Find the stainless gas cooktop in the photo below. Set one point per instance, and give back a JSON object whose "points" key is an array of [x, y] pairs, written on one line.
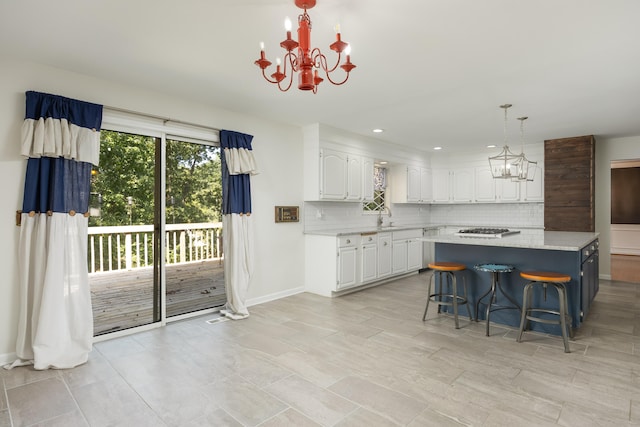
{"points": [[491, 233]]}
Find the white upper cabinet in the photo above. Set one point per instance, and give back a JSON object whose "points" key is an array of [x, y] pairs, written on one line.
{"points": [[485, 185], [441, 185], [507, 190], [341, 176], [333, 175], [411, 184], [367, 179], [354, 178], [463, 185], [426, 188]]}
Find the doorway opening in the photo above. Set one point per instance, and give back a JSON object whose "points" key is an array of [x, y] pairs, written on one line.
{"points": [[625, 220]]}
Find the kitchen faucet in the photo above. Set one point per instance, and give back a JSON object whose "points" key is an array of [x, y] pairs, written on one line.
{"points": [[384, 208]]}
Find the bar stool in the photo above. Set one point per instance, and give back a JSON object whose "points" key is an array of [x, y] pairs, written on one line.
{"points": [[495, 270], [544, 279], [446, 297]]}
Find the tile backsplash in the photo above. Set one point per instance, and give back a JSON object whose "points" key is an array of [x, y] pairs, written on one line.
{"points": [[490, 214], [338, 215]]}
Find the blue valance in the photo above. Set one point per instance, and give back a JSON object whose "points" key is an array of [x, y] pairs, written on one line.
{"points": [[55, 126], [80, 113], [231, 139]]}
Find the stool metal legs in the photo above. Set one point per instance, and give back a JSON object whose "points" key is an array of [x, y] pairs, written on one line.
{"points": [[562, 312], [439, 294], [491, 293]]}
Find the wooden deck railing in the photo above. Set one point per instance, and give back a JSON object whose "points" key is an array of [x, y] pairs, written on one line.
{"points": [[128, 247]]}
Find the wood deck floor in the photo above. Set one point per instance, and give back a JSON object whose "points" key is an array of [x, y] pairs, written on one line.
{"points": [[124, 299]]}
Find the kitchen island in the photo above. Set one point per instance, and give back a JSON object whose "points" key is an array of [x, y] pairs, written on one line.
{"points": [[572, 253]]}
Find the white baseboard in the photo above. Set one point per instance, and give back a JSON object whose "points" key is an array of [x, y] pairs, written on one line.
{"points": [[7, 358], [274, 296], [605, 276]]}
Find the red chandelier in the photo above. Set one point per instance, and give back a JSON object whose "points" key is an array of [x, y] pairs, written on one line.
{"points": [[301, 59]]}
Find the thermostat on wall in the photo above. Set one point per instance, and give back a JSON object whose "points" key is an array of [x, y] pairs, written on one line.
{"points": [[287, 213]]}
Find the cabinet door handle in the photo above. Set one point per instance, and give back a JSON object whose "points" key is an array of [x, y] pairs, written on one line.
{"points": [[348, 241], [385, 244]]}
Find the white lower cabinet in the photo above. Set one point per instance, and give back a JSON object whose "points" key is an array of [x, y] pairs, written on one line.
{"points": [[399, 256], [414, 255], [337, 264], [407, 251], [369, 254], [348, 261], [385, 255]]}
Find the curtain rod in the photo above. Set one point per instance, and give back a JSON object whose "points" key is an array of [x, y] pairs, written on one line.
{"points": [[152, 116]]}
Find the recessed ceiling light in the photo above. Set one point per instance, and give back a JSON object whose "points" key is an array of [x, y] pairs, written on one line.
{"points": [[378, 130], [492, 146], [437, 148], [383, 163]]}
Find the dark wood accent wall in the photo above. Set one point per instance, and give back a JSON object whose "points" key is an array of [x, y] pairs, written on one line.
{"points": [[569, 184]]}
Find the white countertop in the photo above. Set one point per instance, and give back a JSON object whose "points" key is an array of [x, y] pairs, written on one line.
{"points": [[374, 229], [531, 239]]}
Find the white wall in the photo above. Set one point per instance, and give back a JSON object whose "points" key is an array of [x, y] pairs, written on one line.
{"points": [[279, 268], [606, 151]]}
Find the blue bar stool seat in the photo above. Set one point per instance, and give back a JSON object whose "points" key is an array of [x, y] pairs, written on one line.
{"points": [[495, 270], [448, 296]]}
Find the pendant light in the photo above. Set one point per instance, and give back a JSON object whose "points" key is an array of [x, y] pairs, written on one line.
{"points": [[525, 169], [504, 165]]}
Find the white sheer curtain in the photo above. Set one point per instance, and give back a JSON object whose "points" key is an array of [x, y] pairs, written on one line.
{"points": [[61, 136], [238, 164]]}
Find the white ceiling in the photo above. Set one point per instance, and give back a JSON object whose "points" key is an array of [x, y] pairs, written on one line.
{"points": [[429, 72]]}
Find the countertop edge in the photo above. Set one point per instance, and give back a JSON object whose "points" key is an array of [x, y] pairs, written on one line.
{"points": [[568, 240]]}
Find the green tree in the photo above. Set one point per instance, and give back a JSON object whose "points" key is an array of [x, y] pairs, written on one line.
{"points": [[194, 190], [123, 184]]}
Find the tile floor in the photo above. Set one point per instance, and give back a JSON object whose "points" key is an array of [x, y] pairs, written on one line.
{"points": [[364, 359]]}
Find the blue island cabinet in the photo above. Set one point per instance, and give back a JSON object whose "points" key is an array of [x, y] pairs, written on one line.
{"points": [[581, 265]]}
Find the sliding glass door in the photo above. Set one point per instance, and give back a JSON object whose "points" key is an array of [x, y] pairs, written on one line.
{"points": [[193, 203], [148, 234], [124, 281]]}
